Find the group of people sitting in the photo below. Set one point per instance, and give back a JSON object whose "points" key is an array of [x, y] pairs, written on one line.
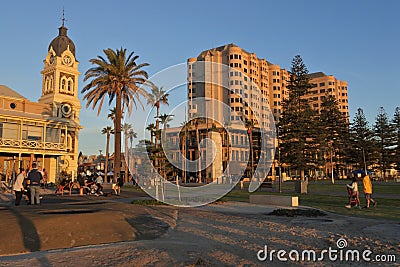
{"points": [[354, 198], [92, 184]]}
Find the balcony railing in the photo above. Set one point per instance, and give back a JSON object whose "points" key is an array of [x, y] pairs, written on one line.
{"points": [[31, 144]]}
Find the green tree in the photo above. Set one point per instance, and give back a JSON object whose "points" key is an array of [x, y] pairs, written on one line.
{"points": [[107, 131], [249, 124], [297, 132], [126, 127], [196, 127], [396, 128], [333, 131], [116, 76], [164, 119], [131, 135], [158, 97], [361, 138], [183, 139], [151, 128], [385, 139]]}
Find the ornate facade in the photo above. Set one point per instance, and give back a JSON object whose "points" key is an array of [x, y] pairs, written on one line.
{"points": [[45, 131]]}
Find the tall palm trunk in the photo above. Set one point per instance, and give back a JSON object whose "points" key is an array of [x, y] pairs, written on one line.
{"points": [[107, 156], [126, 156], [251, 154], [183, 146], [130, 162], [198, 152], [117, 141], [157, 124], [156, 161]]}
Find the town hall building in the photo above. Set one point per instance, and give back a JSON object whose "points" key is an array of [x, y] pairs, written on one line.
{"points": [[46, 131]]}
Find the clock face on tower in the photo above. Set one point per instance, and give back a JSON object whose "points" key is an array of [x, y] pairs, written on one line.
{"points": [[67, 60]]}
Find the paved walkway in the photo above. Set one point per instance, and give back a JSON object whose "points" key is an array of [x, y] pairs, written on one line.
{"points": [[107, 231]]}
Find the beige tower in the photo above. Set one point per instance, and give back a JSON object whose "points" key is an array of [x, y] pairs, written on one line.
{"points": [[60, 90]]}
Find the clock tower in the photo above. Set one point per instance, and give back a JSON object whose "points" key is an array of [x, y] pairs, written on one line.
{"points": [[60, 96], [60, 78]]}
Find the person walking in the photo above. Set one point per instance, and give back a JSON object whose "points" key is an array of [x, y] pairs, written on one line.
{"points": [[18, 186], [35, 176], [117, 186], [368, 191]]}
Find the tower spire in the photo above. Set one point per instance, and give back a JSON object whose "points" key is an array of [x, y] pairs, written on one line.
{"points": [[63, 18]]}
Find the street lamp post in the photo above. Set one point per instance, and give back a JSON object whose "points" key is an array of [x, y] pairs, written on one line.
{"points": [[333, 180], [279, 162], [365, 163]]}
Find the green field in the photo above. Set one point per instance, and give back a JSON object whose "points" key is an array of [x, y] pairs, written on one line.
{"points": [[325, 196], [333, 198]]}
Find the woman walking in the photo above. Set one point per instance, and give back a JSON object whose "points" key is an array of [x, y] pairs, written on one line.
{"points": [[18, 186]]}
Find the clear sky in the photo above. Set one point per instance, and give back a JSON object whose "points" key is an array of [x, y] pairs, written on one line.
{"points": [[356, 41]]}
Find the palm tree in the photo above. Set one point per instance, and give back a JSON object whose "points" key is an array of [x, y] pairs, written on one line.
{"points": [[183, 141], [116, 76], [196, 125], [151, 128], [126, 127], [158, 97], [131, 134], [107, 130], [164, 119], [249, 124], [228, 124], [112, 113]]}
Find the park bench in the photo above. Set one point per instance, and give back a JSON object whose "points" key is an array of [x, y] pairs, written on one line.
{"points": [[274, 200], [265, 185]]}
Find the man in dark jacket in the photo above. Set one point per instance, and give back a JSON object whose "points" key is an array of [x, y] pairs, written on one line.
{"points": [[35, 176]]}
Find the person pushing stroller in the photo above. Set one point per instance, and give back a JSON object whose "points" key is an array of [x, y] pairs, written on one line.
{"points": [[354, 197]]}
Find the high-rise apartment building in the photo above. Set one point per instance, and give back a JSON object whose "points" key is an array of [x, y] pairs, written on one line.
{"points": [[252, 85], [237, 88], [252, 89], [328, 85], [226, 87]]}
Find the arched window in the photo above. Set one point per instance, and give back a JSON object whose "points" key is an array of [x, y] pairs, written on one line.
{"points": [[51, 84], [63, 83], [69, 86], [47, 85]]}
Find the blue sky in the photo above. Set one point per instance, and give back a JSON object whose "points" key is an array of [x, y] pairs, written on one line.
{"points": [[356, 41]]}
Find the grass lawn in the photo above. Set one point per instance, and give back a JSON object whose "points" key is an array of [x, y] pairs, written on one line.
{"points": [[325, 196], [386, 208], [333, 198]]}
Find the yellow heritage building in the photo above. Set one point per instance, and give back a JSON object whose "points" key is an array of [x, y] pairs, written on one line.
{"points": [[45, 131]]}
